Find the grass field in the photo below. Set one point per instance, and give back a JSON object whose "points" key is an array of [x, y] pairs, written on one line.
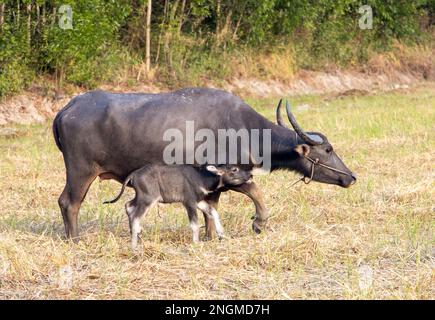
{"points": [[374, 240]]}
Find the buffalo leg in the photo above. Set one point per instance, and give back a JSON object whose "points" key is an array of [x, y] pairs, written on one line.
{"points": [[70, 200], [213, 200], [261, 212], [63, 204]]}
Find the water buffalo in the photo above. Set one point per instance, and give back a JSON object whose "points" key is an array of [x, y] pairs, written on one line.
{"points": [[109, 135]]}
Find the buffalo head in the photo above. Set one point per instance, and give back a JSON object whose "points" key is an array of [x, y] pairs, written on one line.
{"points": [[316, 158]]}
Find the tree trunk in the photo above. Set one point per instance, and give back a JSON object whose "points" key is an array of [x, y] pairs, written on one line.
{"points": [[38, 16], [43, 16], [2, 13], [162, 28], [53, 20], [242, 12], [29, 25], [148, 38], [169, 33], [218, 17], [18, 13], [180, 23], [227, 25]]}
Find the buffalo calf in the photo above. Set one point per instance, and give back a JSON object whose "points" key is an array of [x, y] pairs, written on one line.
{"points": [[185, 184]]}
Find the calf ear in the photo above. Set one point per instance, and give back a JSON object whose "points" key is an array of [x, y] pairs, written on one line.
{"points": [[302, 149], [214, 170]]}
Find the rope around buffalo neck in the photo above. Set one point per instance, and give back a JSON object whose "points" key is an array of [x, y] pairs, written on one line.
{"points": [[318, 163]]}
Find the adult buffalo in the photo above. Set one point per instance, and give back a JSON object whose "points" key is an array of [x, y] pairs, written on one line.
{"points": [[109, 135]]}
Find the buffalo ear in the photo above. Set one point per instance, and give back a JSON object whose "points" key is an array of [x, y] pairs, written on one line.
{"points": [[302, 149], [214, 170]]}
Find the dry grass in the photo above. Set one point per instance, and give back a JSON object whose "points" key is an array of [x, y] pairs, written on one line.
{"points": [[374, 240], [277, 65], [416, 60]]}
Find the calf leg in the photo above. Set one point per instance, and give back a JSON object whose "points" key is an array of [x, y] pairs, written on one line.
{"points": [[213, 200], [130, 210], [261, 212], [135, 210], [211, 212], [193, 220]]}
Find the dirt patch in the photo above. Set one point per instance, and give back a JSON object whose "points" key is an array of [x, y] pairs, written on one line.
{"points": [[36, 106], [309, 82], [29, 108]]}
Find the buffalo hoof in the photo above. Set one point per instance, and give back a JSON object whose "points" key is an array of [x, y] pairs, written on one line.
{"points": [[222, 237], [257, 227], [207, 238], [74, 240]]}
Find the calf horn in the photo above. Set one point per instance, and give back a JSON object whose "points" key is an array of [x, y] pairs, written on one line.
{"points": [[297, 128]]}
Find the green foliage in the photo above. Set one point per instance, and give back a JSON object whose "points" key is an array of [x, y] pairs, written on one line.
{"points": [[14, 76], [82, 55], [191, 40], [14, 72], [88, 53]]}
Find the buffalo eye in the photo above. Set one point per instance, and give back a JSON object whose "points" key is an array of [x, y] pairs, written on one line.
{"points": [[235, 169], [329, 150]]}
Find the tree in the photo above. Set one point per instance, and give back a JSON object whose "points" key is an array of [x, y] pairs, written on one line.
{"points": [[148, 38]]}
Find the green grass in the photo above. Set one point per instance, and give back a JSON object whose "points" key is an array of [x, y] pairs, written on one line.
{"points": [[323, 238]]}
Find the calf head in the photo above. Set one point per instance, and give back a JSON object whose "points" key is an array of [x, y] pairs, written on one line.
{"points": [[231, 175]]}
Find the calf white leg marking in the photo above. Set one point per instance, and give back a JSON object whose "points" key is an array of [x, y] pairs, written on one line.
{"points": [[212, 213], [135, 230], [129, 208], [217, 223], [134, 216], [195, 231]]}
